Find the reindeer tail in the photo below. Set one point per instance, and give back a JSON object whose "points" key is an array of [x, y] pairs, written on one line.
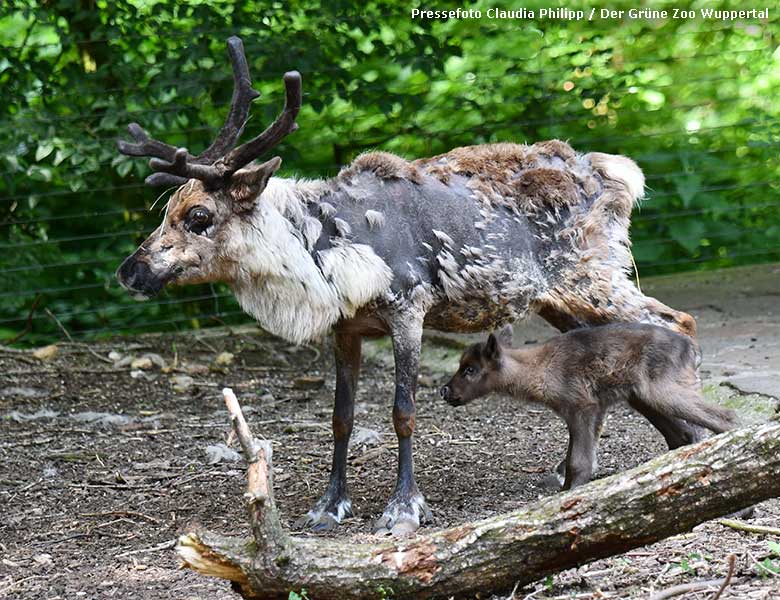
{"points": [[622, 178]]}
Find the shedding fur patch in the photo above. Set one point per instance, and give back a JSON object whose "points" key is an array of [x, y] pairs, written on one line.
{"points": [[555, 149], [382, 164], [486, 161], [356, 273], [343, 228], [278, 282], [539, 189], [375, 219], [443, 238], [531, 180], [311, 230], [283, 195], [327, 210], [620, 170], [594, 286]]}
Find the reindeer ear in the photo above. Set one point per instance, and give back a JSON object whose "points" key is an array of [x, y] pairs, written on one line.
{"points": [[506, 336], [492, 348], [248, 183]]}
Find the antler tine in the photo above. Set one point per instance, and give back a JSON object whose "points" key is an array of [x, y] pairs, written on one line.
{"points": [[164, 180], [145, 145], [164, 154], [243, 94], [283, 125], [181, 166]]}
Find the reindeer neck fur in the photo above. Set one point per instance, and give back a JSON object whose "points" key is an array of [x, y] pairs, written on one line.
{"points": [[292, 290], [522, 373]]}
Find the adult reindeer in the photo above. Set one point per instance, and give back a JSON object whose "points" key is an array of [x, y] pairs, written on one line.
{"points": [[466, 241]]}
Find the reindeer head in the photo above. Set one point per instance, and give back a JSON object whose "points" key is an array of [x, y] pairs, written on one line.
{"points": [[214, 187], [477, 373]]}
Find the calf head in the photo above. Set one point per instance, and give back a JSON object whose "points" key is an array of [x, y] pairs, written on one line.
{"points": [[214, 189], [477, 375]]}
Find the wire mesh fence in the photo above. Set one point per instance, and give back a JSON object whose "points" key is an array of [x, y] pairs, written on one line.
{"points": [[712, 171]]}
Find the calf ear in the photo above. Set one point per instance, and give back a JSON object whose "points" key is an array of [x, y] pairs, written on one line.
{"points": [[506, 336], [248, 183], [492, 348]]}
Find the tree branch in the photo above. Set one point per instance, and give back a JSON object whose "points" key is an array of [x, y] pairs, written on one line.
{"points": [[663, 497]]}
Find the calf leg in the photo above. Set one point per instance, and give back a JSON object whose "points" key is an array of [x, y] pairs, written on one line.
{"points": [[335, 504], [407, 507], [676, 432], [581, 459]]}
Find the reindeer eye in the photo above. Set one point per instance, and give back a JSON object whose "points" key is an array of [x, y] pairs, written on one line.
{"points": [[469, 371], [198, 220]]}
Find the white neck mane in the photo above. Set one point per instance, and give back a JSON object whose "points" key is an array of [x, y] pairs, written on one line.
{"points": [[276, 278]]}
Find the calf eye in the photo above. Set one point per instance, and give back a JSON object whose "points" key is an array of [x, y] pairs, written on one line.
{"points": [[198, 220], [469, 371]]}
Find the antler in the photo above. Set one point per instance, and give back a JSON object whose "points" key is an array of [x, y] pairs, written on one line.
{"points": [[243, 94], [283, 126], [215, 165]]}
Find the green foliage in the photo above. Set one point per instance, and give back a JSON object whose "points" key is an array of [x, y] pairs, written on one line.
{"points": [[691, 563], [770, 566], [696, 103], [298, 596], [385, 593]]}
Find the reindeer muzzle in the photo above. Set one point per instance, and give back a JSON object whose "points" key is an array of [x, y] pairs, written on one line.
{"points": [[446, 394], [138, 278]]}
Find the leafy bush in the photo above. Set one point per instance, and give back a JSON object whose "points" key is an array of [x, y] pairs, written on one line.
{"points": [[696, 103]]}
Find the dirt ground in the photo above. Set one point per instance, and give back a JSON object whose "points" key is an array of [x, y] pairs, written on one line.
{"points": [[109, 451]]}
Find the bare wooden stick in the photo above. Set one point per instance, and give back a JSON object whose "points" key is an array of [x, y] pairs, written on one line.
{"points": [[267, 529], [699, 586], [666, 496], [740, 526], [727, 580], [684, 588]]}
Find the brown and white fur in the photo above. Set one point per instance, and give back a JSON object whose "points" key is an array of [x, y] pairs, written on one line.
{"points": [[581, 373]]}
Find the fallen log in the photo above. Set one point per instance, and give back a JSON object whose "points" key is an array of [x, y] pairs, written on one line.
{"points": [[665, 496]]}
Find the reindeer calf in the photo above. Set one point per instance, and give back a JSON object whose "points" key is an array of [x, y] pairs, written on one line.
{"points": [[581, 373]]}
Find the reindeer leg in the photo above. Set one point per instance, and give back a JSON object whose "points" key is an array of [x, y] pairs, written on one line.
{"points": [[335, 504], [407, 507], [676, 432], [582, 458], [593, 423]]}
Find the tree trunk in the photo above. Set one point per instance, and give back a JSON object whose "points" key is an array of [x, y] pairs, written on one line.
{"points": [[665, 496]]}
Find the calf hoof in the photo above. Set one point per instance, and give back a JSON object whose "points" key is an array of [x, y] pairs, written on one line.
{"points": [[403, 516], [326, 515], [551, 482]]}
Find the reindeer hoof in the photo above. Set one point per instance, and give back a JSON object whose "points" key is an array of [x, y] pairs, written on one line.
{"points": [[403, 517], [325, 516], [551, 482]]}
